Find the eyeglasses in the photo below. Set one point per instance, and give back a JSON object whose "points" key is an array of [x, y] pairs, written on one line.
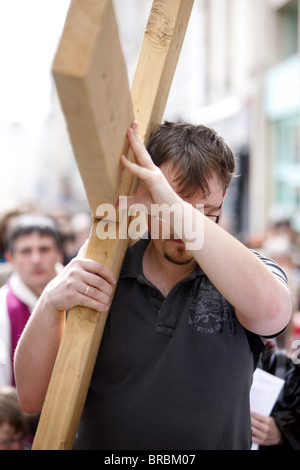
{"points": [[213, 217]]}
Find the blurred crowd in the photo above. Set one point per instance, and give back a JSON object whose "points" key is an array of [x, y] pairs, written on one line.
{"points": [[33, 248], [281, 243]]}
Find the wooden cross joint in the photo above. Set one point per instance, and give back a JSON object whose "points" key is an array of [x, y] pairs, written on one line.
{"points": [[91, 79]]}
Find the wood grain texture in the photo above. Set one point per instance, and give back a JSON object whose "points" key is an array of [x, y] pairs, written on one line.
{"points": [[158, 59], [77, 354], [90, 76], [92, 84]]}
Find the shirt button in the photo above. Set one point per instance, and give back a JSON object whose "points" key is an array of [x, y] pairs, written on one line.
{"points": [[154, 293]]}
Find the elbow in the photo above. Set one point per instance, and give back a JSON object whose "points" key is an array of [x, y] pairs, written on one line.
{"points": [[27, 403], [28, 389], [29, 400], [280, 307], [270, 315]]}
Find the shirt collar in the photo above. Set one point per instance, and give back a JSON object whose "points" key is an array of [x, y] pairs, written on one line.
{"points": [[132, 265], [22, 291]]}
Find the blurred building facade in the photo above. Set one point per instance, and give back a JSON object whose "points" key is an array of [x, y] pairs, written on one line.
{"points": [[252, 85], [239, 72]]}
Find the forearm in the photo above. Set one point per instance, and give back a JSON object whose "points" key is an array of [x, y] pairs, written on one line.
{"points": [[37, 349], [36, 353], [262, 302]]}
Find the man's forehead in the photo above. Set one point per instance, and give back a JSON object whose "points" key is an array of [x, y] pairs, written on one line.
{"points": [[213, 202], [216, 189], [34, 238], [7, 430]]}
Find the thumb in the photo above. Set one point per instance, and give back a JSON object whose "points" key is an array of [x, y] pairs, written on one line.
{"points": [[82, 251]]}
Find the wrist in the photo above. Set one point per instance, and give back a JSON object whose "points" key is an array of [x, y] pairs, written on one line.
{"points": [[47, 301], [193, 227]]}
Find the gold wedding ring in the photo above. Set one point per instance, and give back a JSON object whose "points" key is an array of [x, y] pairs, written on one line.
{"points": [[87, 290]]}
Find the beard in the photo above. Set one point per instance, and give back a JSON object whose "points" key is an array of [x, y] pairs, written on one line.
{"points": [[176, 253]]}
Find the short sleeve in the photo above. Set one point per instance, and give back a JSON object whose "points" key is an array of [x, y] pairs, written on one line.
{"points": [[274, 267], [257, 343]]}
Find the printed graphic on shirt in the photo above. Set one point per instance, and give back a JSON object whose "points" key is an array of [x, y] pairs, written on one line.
{"points": [[209, 312]]}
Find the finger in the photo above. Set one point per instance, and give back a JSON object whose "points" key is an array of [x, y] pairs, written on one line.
{"points": [[139, 171], [139, 140], [137, 145], [135, 126], [82, 250], [258, 417], [255, 429], [96, 294], [91, 303], [259, 431], [258, 437], [93, 267], [98, 283], [259, 423]]}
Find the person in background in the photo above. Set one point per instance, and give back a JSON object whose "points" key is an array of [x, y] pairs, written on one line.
{"points": [[280, 242], [15, 425], [281, 430], [7, 217], [35, 256]]}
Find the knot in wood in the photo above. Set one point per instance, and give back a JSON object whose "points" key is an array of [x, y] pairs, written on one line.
{"points": [[159, 29]]}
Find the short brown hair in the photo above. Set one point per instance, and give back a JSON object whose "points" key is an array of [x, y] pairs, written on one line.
{"points": [[29, 223], [196, 152], [10, 410]]}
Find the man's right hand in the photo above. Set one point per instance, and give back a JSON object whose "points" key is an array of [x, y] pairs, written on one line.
{"points": [[83, 282]]}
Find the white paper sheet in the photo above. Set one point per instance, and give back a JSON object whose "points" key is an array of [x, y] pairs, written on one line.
{"points": [[264, 393]]}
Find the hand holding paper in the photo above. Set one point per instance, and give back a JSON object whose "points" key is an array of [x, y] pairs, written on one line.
{"points": [[263, 396], [264, 430]]}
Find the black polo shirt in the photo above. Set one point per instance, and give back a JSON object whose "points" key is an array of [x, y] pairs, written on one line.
{"points": [[172, 373]]}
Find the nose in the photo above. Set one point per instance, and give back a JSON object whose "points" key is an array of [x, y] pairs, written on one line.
{"points": [[35, 256]]}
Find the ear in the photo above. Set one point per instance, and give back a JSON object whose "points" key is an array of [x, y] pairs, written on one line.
{"points": [[221, 213], [9, 257]]}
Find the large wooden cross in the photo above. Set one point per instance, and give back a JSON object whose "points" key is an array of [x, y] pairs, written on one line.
{"points": [[91, 79]]}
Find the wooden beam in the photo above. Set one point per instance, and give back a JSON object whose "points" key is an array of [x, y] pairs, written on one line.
{"points": [[158, 59], [76, 358], [91, 79], [79, 348]]}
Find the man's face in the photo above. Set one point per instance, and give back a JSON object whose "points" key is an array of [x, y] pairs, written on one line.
{"points": [[10, 439], [174, 249], [34, 259]]}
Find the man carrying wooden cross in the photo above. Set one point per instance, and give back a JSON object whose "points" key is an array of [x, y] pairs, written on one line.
{"points": [[191, 304], [175, 364]]}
